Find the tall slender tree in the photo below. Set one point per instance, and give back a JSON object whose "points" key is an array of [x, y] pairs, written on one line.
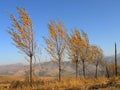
{"points": [[56, 42], [97, 56], [79, 49], [85, 52], [74, 47], [22, 33]]}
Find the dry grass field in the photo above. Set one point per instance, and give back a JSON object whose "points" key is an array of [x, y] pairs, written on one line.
{"points": [[67, 83]]}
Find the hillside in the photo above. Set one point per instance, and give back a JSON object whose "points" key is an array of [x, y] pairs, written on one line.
{"points": [[49, 68], [10, 69]]}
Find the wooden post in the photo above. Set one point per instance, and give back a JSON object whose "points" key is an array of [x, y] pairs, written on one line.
{"points": [[115, 59]]}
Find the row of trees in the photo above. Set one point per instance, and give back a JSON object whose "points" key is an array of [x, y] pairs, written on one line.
{"points": [[58, 42], [77, 46]]}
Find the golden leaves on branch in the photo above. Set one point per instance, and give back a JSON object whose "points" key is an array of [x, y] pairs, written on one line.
{"points": [[97, 54], [25, 17], [76, 45], [52, 31], [22, 32], [56, 42], [79, 46]]}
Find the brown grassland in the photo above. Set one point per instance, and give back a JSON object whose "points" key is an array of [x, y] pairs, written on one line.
{"points": [[67, 83]]}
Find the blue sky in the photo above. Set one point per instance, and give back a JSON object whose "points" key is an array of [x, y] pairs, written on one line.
{"points": [[100, 19]]}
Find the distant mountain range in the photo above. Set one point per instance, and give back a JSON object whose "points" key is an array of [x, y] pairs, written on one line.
{"points": [[10, 69], [49, 68], [111, 58], [43, 69]]}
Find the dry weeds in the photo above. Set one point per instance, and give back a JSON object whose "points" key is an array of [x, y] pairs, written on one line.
{"points": [[67, 83]]}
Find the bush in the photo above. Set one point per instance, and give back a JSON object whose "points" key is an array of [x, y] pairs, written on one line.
{"points": [[16, 84]]}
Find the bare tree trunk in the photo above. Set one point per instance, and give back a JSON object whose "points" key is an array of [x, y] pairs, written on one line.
{"points": [[115, 60], [59, 70], [31, 70], [76, 68], [83, 68], [107, 72], [96, 71]]}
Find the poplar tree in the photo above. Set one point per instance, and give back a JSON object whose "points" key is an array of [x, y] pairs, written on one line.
{"points": [[97, 56], [74, 46], [56, 42], [79, 49], [22, 34]]}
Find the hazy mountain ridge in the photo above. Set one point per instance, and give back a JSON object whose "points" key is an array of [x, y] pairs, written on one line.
{"points": [[43, 69], [48, 68], [10, 69], [111, 58]]}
